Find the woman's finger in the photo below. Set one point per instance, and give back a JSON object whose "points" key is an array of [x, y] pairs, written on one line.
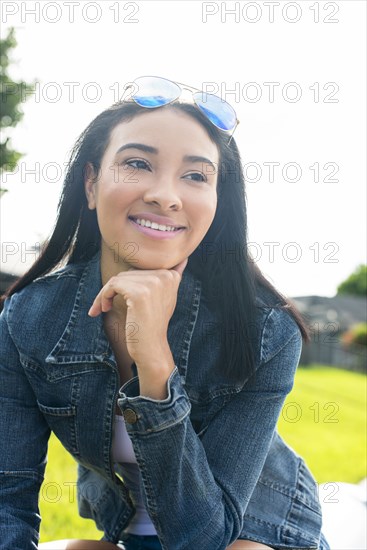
{"points": [[181, 266], [103, 301]]}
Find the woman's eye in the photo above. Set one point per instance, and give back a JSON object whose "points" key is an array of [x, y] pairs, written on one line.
{"points": [[196, 176], [138, 164]]}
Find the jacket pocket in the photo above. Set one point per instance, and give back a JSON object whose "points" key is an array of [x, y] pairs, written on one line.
{"points": [[62, 421]]}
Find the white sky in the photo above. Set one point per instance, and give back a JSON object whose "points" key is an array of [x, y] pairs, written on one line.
{"points": [[326, 219]]}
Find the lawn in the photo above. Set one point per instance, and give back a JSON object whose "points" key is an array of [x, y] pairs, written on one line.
{"points": [[323, 419]]}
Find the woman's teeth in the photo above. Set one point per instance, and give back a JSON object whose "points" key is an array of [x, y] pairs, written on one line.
{"points": [[153, 225]]}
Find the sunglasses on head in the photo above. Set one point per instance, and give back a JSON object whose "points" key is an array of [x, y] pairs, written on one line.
{"points": [[154, 91]]}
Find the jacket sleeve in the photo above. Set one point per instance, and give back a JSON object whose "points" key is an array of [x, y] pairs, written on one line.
{"points": [[197, 487], [23, 436]]}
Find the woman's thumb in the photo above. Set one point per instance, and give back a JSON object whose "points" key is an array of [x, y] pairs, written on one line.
{"points": [[181, 266]]}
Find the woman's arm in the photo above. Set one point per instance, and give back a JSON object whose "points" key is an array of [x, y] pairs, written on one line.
{"points": [[23, 436], [197, 488]]}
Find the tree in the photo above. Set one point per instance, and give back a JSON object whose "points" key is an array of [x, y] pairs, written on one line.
{"points": [[356, 283], [12, 94], [357, 334]]}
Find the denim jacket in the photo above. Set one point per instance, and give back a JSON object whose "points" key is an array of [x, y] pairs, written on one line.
{"points": [[212, 464]]}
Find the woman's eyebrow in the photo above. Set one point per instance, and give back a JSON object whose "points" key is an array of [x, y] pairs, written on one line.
{"points": [[154, 150], [194, 158], [141, 146]]}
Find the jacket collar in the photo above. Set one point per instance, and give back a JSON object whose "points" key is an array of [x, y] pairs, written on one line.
{"points": [[84, 340]]}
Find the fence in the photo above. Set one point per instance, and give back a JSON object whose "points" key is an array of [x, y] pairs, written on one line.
{"points": [[352, 357]]}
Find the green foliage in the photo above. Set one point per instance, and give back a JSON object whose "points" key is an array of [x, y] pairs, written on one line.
{"points": [[356, 284], [357, 334], [12, 95], [324, 414]]}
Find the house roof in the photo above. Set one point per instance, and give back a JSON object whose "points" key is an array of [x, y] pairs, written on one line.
{"points": [[342, 310]]}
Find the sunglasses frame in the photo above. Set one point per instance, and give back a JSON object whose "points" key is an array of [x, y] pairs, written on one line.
{"points": [[182, 88]]}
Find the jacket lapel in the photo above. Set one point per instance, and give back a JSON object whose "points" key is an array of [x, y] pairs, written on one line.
{"points": [[84, 340]]}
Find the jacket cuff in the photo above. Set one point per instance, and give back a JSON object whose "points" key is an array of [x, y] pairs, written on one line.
{"points": [[145, 415]]}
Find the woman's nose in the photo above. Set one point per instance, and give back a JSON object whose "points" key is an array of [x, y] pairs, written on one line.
{"points": [[164, 194]]}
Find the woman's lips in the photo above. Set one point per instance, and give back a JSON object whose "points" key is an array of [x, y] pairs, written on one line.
{"points": [[156, 233]]}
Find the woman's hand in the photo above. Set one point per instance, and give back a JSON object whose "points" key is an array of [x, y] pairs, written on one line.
{"points": [[145, 300]]}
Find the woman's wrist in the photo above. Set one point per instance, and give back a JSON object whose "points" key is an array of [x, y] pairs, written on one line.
{"points": [[154, 373]]}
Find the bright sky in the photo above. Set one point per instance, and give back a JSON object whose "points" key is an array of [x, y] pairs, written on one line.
{"points": [[294, 71]]}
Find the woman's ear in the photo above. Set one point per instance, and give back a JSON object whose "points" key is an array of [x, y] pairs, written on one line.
{"points": [[90, 185]]}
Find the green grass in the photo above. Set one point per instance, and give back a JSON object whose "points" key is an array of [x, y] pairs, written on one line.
{"points": [[329, 409], [58, 502], [323, 420]]}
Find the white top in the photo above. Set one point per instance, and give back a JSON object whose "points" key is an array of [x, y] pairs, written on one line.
{"points": [[123, 454]]}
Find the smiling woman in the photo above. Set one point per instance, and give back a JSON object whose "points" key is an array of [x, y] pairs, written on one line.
{"points": [[164, 177], [159, 358]]}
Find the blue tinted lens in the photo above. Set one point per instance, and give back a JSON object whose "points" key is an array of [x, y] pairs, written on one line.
{"points": [[155, 92], [219, 112]]}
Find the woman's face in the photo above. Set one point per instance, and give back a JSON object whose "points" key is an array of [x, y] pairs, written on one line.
{"points": [[160, 163]]}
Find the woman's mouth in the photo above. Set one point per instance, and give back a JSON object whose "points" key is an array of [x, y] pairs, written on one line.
{"points": [[152, 229]]}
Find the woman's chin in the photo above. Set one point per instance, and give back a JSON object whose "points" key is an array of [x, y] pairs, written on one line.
{"points": [[152, 265]]}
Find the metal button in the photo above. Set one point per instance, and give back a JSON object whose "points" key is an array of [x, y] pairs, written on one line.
{"points": [[130, 416]]}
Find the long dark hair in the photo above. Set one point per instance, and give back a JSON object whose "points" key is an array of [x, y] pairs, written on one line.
{"points": [[230, 278]]}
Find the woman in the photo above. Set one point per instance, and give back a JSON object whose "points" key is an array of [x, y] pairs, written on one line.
{"points": [[159, 355]]}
